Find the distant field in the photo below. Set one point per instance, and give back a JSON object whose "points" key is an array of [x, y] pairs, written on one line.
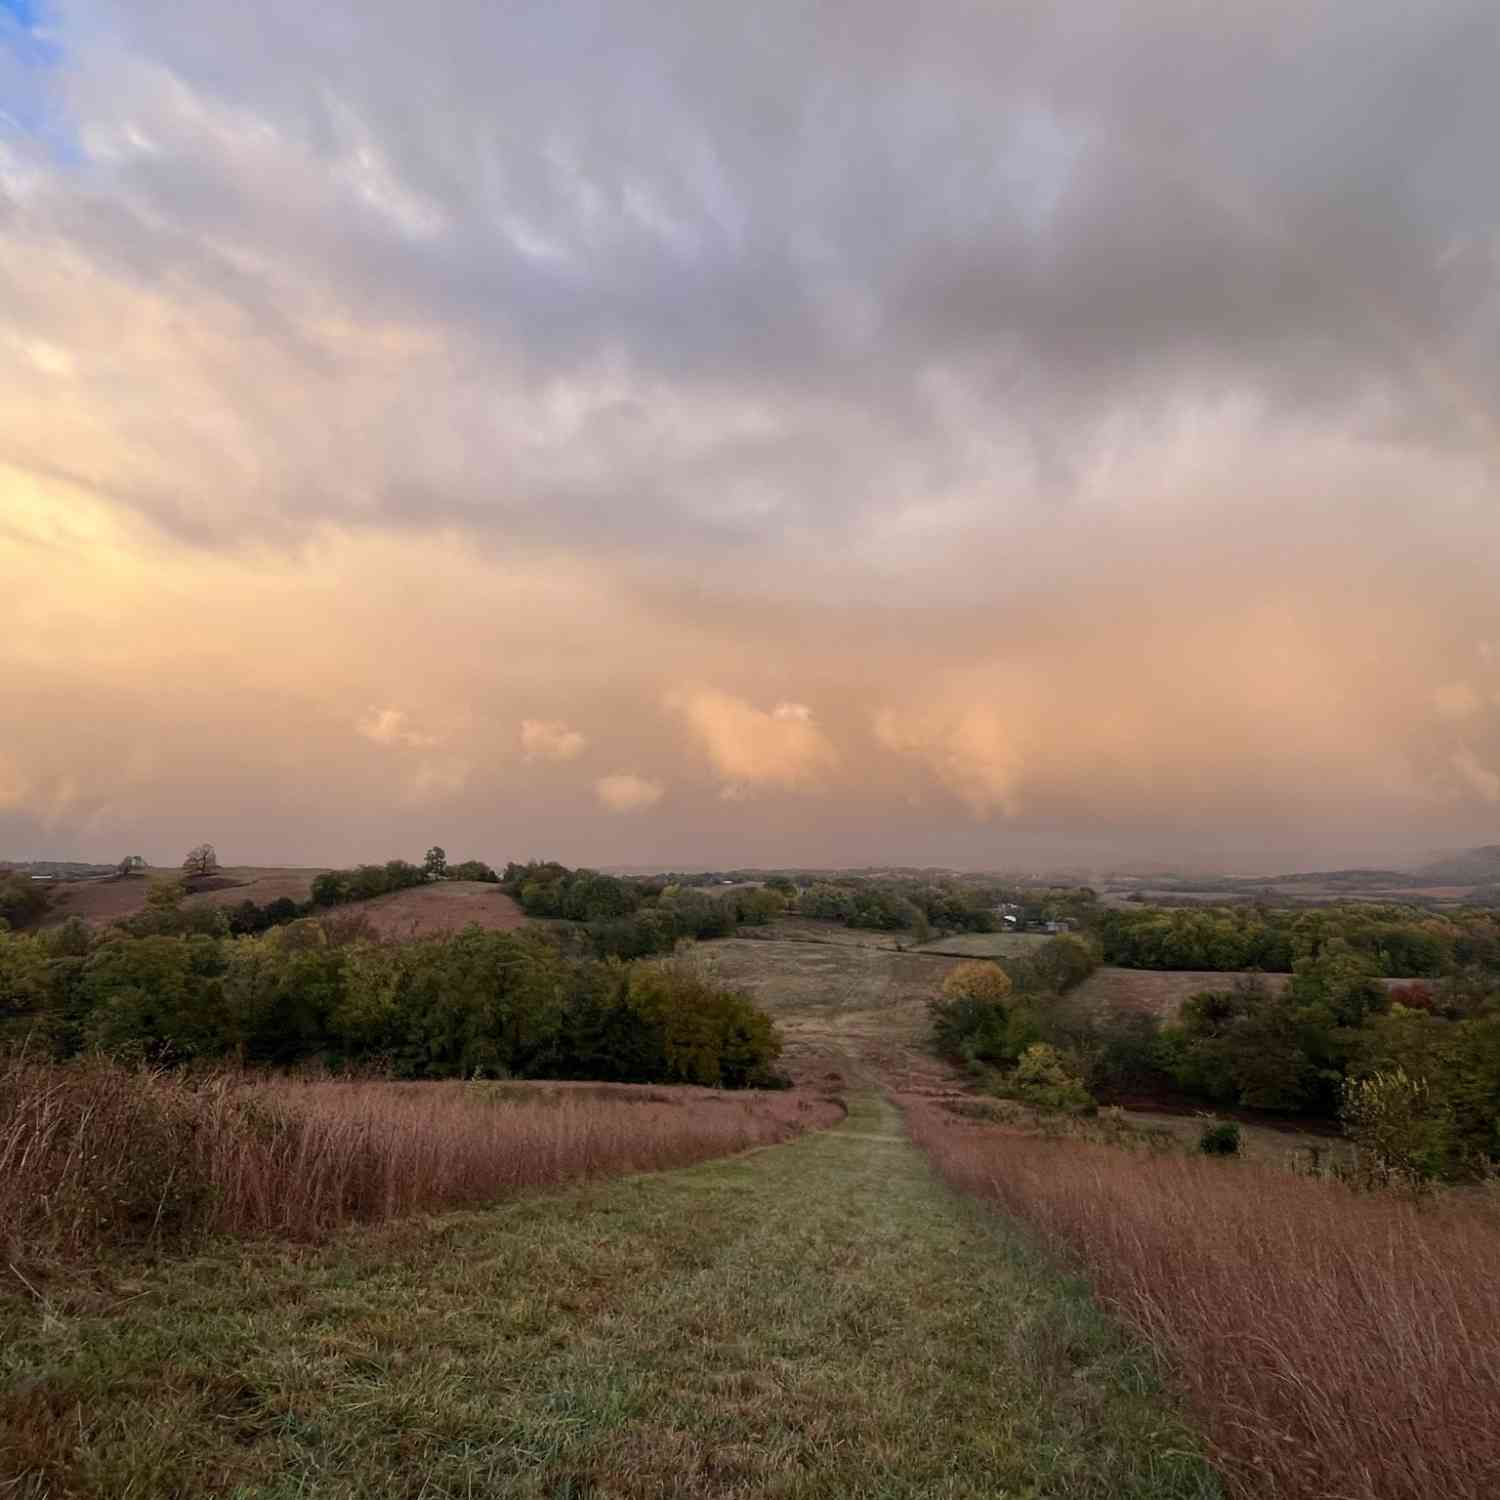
{"points": [[1162, 991], [787, 977], [839, 1005], [812, 930], [447, 906], [260, 884], [986, 944], [418, 912], [100, 902], [1155, 991]]}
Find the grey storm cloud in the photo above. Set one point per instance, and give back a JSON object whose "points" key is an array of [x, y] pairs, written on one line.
{"points": [[813, 219]]}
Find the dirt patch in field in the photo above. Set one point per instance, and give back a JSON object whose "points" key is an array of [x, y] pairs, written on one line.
{"points": [[445, 906]]}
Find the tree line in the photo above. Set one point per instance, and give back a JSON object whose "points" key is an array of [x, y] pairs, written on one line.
{"points": [[1398, 941], [475, 1002]]}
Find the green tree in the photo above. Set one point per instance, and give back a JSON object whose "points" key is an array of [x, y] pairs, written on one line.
{"points": [[1399, 1125], [436, 863]]}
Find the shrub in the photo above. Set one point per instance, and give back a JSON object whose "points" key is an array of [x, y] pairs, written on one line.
{"points": [[1219, 1138], [1401, 1131], [1044, 1080], [970, 1022]]}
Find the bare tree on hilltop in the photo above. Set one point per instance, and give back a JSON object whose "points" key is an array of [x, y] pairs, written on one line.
{"points": [[201, 861]]}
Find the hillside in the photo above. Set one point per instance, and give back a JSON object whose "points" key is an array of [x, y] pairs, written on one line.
{"points": [[446, 906], [420, 911], [100, 902], [1479, 866]]}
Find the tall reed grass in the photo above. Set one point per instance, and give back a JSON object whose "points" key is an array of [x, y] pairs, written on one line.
{"points": [[94, 1155], [1335, 1346]]}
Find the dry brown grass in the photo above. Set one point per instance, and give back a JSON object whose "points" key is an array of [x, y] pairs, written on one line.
{"points": [[445, 906], [1335, 1346], [100, 902], [94, 1155]]}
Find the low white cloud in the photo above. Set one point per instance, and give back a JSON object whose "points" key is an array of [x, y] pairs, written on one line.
{"points": [[624, 792], [751, 748], [393, 727], [551, 739]]}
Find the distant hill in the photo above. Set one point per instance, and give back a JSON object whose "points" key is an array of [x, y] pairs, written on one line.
{"points": [[56, 869], [1479, 866]]}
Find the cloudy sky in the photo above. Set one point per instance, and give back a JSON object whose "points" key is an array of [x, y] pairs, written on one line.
{"points": [[666, 432]]}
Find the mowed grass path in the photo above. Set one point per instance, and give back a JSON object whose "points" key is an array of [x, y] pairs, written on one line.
{"points": [[811, 1320]]}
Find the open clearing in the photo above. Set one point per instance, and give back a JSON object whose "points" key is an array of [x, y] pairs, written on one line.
{"points": [[444, 906], [817, 1319], [837, 1001]]}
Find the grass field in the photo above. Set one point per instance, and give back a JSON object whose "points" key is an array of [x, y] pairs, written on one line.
{"points": [[818, 1319], [1333, 1344], [447, 906], [856, 1009], [100, 902], [95, 1156], [420, 911], [986, 944], [1160, 992]]}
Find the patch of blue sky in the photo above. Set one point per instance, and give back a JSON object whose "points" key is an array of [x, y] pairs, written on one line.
{"points": [[28, 52]]}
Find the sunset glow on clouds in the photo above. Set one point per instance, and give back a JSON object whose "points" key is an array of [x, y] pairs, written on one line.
{"points": [[977, 435]]}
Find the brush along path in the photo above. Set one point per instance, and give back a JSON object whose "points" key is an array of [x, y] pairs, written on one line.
{"points": [[817, 1319]]}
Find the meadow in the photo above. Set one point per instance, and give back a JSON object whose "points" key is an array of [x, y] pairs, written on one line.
{"points": [[1329, 1343]]}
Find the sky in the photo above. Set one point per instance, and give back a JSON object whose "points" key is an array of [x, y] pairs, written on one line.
{"points": [[668, 433]]}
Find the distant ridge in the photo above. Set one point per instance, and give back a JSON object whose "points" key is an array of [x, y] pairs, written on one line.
{"points": [[1479, 866]]}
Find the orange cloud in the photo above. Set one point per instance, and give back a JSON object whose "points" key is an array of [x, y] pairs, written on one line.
{"points": [[750, 748]]}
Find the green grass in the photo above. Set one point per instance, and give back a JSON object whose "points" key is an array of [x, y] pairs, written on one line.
{"points": [[817, 1319]]}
